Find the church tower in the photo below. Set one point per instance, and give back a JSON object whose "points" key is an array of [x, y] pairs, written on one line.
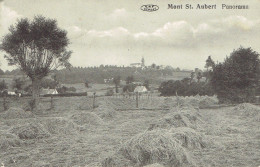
{"points": [[142, 62]]}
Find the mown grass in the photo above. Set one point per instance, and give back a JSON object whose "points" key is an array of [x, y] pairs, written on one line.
{"points": [[73, 140]]}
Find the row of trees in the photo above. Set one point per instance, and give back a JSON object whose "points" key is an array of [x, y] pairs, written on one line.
{"points": [[97, 75]]}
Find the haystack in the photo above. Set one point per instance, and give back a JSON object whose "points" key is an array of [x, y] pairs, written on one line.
{"points": [[149, 147], [171, 120], [13, 113], [178, 117], [193, 114], [168, 102], [87, 118], [105, 111], [246, 110], [8, 140], [191, 102], [30, 130], [207, 101], [188, 137], [59, 125]]}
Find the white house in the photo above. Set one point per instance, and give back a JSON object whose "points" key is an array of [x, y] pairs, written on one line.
{"points": [[49, 92], [140, 89]]}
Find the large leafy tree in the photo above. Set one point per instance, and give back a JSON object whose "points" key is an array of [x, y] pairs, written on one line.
{"points": [[36, 47], [236, 79]]}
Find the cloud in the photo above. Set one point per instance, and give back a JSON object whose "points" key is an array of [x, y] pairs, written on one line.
{"points": [[178, 34], [117, 13], [116, 32], [75, 32], [240, 22], [7, 17]]}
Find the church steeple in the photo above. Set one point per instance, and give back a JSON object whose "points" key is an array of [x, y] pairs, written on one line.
{"points": [[142, 62]]}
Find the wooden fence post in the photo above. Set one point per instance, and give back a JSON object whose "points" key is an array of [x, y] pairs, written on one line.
{"points": [[52, 102], [4, 103], [136, 99], [94, 97]]}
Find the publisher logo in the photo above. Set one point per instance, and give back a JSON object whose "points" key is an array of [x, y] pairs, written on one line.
{"points": [[149, 8]]}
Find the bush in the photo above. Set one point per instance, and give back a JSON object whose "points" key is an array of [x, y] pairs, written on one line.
{"points": [[65, 89], [110, 92], [129, 87], [49, 83], [185, 88]]}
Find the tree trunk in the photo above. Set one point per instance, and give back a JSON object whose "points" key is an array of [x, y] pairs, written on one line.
{"points": [[116, 88], [35, 89]]}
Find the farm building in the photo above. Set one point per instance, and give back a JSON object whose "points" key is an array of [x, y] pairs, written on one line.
{"points": [[140, 89], [49, 92]]}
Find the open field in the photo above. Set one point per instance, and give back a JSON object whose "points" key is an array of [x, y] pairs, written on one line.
{"points": [[116, 133]]}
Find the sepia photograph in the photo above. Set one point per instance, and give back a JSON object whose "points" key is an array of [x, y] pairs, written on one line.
{"points": [[139, 83]]}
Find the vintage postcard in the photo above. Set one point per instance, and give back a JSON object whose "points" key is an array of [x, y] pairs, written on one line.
{"points": [[116, 83]]}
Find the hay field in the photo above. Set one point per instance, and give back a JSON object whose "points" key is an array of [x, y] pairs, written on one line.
{"points": [[162, 132]]}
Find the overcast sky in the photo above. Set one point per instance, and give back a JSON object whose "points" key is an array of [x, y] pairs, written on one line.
{"points": [[117, 32]]}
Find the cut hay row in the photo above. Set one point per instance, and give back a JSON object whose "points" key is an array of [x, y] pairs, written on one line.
{"points": [[38, 128], [14, 113], [149, 147]]}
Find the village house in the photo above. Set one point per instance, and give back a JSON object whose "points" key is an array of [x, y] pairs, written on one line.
{"points": [[140, 89], [48, 92]]}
